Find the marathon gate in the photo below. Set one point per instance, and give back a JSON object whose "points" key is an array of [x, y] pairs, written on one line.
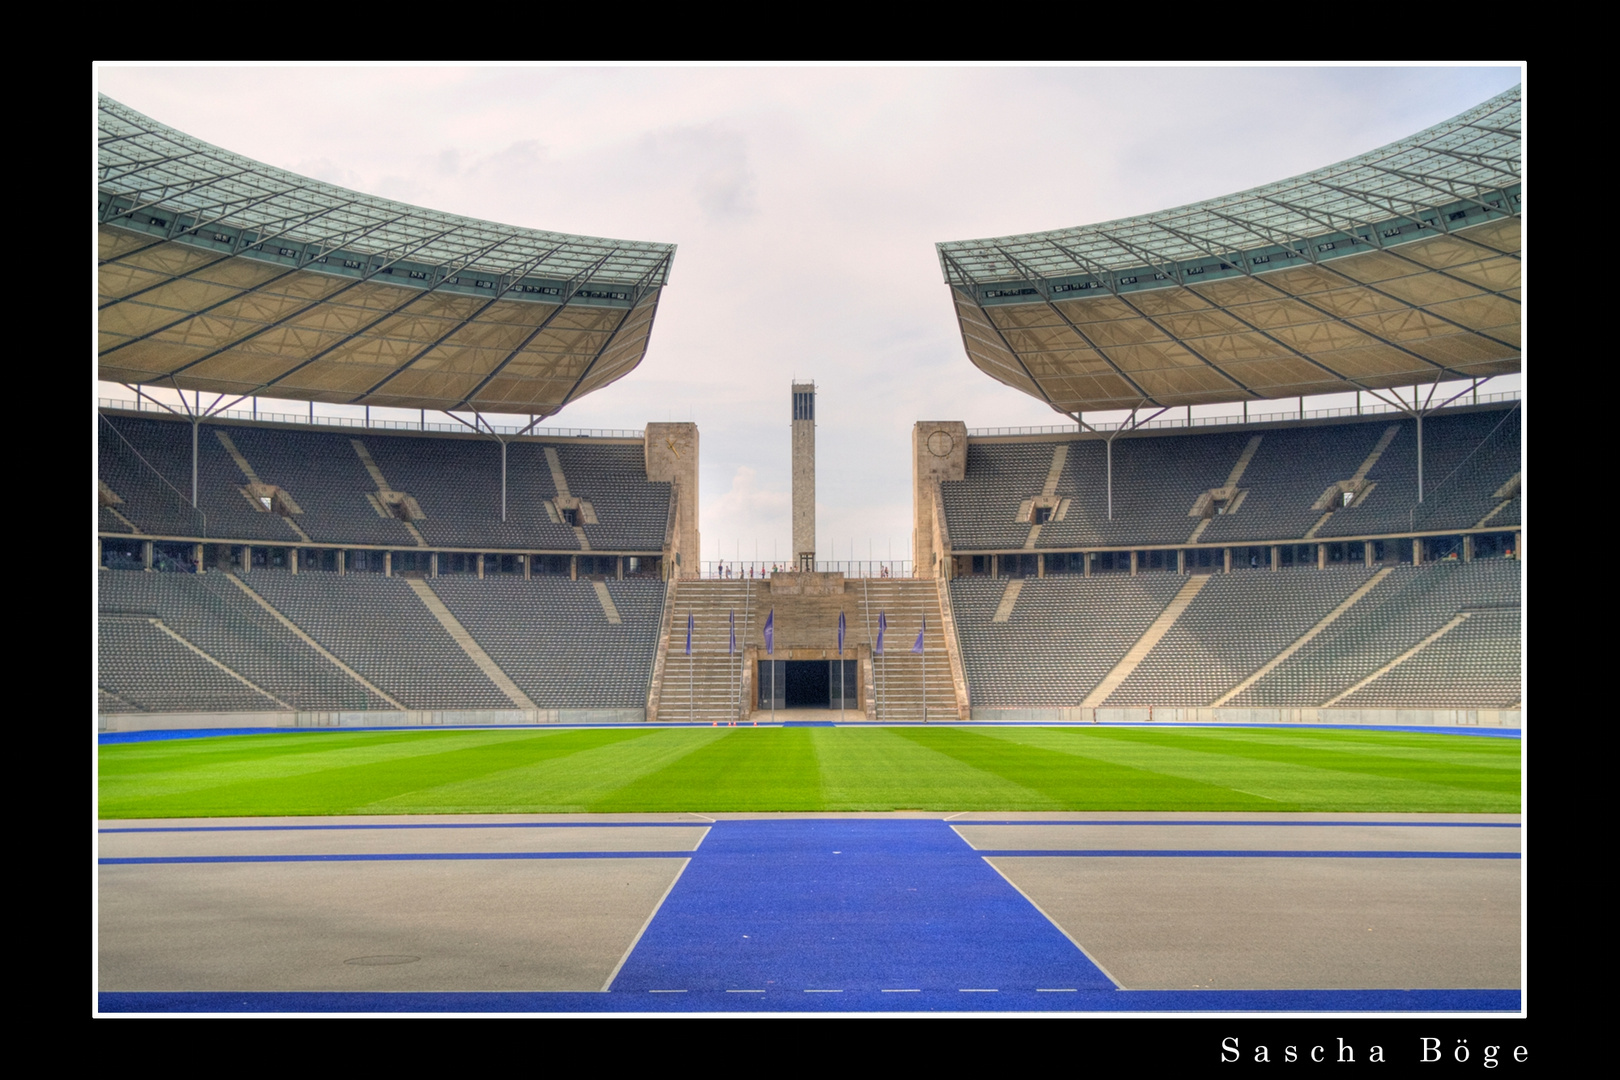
{"points": [[808, 684]]}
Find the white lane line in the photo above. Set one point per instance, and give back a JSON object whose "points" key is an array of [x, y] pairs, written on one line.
{"points": [[900, 991], [614, 974], [1056, 990], [1106, 973], [971, 990], [666, 991], [824, 991], [745, 991]]}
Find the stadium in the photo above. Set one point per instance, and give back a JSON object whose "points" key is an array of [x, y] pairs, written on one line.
{"points": [[453, 715]]}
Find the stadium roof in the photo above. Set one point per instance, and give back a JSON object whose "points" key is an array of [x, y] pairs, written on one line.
{"points": [[1395, 268], [222, 274]]}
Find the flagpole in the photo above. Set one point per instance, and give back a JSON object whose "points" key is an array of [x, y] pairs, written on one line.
{"points": [[883, 668], [770, 650], [691, 678], [840, 665]]}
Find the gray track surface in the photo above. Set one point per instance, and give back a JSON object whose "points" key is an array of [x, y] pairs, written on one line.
{"points": [[563, 924]]}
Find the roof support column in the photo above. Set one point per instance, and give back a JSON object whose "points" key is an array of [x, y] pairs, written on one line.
{"points": [[1420, 454]]}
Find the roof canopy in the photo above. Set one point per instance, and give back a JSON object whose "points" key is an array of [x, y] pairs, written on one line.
{"points": [[1394, 268], [219, 273]]}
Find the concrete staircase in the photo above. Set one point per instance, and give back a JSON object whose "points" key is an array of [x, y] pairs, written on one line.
{"points": [[714, 687], [898, 675], [705, 688]]}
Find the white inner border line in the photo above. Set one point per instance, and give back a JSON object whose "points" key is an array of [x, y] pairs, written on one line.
{"points": [[651, 915], [1106, 973]]}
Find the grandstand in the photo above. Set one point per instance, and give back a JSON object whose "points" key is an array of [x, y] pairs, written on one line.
{"points": [[1359, 564], [303, 569]]}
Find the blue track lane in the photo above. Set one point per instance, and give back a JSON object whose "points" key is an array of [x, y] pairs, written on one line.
{"points": [[1084, 1001], [858, 906]]}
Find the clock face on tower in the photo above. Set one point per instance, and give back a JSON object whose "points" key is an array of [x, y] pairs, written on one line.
{"points": [[940, 444]]}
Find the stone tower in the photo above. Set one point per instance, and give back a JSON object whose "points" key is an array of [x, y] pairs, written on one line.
{"points": [[804, 475]]}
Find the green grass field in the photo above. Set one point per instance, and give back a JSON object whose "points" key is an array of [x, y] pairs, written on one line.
{"points": [[640, 769]]}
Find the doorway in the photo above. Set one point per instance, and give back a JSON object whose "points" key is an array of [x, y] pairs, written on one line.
{"points": [[808, 684]]}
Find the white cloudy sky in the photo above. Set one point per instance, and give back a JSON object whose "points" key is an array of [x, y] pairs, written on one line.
{"points": [[806, 202]]}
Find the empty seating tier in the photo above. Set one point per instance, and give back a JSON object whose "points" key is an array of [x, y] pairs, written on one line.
{"points": [[1063, 637], [213, 614], [1393, 618], [377, 626], [335, 492], [551, 637], [148, 670], [1236, 623]]}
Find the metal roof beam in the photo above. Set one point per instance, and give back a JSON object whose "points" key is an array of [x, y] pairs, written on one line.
{"points": [[139, 194], [1238, 261], [568, 293], [132, 165], [1417, 208], [643, 289], [279, 322], [1113, 287], [309, 258], [1331, 316], [507, 283], [1373, 237], [1341, 275], [384, 317], [1041, 287], [236, 249], [1423, 180], [1012, 352]]}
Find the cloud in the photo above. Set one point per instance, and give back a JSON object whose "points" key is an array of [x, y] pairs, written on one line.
{"points": [[748, 511]]}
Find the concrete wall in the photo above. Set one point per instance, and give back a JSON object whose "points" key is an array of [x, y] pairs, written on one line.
{"points": [[938, 453], [671, 452], [1493, 718], [426, 718]]}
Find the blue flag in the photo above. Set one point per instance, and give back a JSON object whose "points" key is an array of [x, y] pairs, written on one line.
{"points": [[770, 633], [883, 624], [918, 647], [840, 633], [732, 647], [689, 633]]}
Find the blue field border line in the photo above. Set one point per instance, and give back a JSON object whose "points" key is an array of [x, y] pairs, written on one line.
{"points": [[425, 856], [1417, 729], [415, 825], [1211, 853], [709, 824], [109, 739], [1290, 824], [935, 1001]]}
